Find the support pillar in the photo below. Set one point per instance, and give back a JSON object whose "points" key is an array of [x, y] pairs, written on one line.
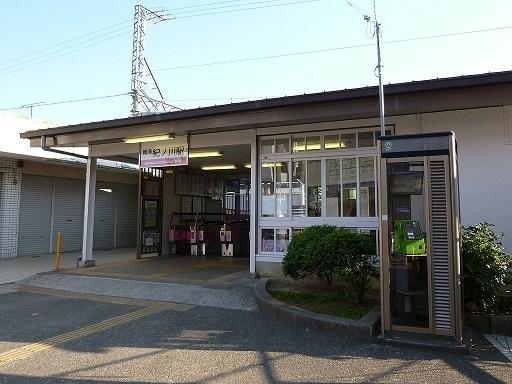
{"points": [[90, 197], [253, 234]]}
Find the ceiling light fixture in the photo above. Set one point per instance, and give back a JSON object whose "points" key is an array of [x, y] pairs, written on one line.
{"points": [[194, 155], [217, 167], [145, 139]]}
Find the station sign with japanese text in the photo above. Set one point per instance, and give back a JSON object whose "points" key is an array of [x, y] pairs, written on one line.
{"points": [[167, 153]]}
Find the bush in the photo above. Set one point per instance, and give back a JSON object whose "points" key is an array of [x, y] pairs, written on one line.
{"points": [[484, 264], [323, 251], [309, 255]]}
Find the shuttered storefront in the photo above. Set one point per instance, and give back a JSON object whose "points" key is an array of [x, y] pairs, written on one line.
{"points": [[126, 214], [104, 216], [115, 223], [68, 213], [35, 215]]}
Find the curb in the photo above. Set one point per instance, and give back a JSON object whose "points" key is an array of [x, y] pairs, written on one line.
{"points": [[363, 329]]}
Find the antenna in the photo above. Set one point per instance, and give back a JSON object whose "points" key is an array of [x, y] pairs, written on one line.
{"points": [[378, 68], [141, 102]]}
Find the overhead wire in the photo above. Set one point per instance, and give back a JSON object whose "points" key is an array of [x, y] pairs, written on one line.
{"points": [[298, 53], [44, 104]]}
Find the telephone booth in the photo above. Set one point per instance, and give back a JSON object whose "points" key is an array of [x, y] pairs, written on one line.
{"points": [[420, 233]]}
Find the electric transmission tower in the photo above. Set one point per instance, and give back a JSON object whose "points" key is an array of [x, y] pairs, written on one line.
{"points": [[142, 103]]}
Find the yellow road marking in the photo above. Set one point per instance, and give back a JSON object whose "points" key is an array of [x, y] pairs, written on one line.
{"points": [[26, 350], [104, 299]]}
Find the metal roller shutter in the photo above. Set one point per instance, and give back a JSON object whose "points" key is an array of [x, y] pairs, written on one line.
{"points": [[69, 212], [126, 215], [35, 215], [104, 216]]}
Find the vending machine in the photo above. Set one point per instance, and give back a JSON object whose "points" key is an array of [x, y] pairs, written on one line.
{"points": [[420, 234]]}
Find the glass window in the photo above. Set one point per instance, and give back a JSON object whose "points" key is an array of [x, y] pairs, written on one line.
{"points": [[333, 203], [298, 144], [314, 188], [332, 141], [267, 190], [296, 231], [282, 239], [365, 139], [366, 187], [267, 240], [282, 188], [349, 179], [299, 188], [282, 145], [266, 146], [312, 143], [409, 272], [348, 140]]}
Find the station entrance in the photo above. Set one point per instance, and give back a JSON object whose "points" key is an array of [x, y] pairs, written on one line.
{"points": [[198, 215]]}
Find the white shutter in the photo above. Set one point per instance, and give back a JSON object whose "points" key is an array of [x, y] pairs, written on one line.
{"points": [[69, 212], [104, 216], [126, 215]]}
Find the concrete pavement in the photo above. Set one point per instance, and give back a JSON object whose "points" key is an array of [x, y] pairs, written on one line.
{"points": [[133, 341]]}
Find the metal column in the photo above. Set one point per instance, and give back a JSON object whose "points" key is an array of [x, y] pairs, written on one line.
{"points": [[90, 196]]}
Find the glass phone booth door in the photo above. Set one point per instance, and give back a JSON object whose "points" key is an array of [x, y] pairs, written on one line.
{"points": [[408, 256]]}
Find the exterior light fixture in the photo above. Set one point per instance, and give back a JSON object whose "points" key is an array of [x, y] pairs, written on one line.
{"points": [[193, 155], [217, 167], [145, 139]]}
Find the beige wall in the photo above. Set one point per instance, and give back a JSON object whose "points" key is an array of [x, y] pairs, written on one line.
{"points": [[485, 161], [78, 172]]}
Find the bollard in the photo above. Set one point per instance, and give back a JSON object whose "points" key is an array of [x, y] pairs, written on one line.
{"points": [[57, 251]]}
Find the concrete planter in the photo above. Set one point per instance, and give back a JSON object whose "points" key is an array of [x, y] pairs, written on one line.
{"points": [[488, 323], [363, 329]]}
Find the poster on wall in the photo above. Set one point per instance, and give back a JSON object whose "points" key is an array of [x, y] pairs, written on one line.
{"points": [[166, 153]]}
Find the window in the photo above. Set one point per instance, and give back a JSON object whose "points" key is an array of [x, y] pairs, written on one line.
{"points": [[348, 140], [366, 186], [332, 142], [314, 188], [299, 188], [267, 240], [275, 189], [269, 146], [349, 179], [298, 144], [267, 190], [275, 239], [333, 194], [365, 139]]}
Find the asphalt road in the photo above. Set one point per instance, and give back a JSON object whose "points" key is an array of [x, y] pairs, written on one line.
{"points": [[49, 337]]}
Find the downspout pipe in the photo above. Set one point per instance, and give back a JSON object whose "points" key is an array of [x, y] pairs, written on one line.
{"points": [[49, 149]]}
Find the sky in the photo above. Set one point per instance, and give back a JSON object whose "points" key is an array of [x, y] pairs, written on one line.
{"points": [[57, 50]]}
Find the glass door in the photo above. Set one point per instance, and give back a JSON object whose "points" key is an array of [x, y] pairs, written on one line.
{"points": [[409, 274]]}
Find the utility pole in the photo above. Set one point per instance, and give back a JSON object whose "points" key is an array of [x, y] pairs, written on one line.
{"points": [[141, 102], [377, 32]]}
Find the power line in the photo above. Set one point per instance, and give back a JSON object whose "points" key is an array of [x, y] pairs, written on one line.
{"points": [[64, 42], [248, 9], [44, 104], [51, 54], [226, 6], [298, 53]]}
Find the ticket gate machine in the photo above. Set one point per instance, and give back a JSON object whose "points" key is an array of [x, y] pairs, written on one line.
{"points": [[420, 234]]}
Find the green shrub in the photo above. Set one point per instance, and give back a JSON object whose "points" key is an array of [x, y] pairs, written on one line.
{"points": [[309, 255], [323, 251], [484, 264], [357, 269]]}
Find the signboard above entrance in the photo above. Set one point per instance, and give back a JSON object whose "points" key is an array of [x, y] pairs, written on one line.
{"points": [[166, 153]]}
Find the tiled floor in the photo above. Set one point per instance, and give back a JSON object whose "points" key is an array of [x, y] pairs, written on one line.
{"points": [[502, 343]]}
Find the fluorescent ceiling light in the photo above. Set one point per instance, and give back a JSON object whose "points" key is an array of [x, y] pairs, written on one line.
{"points": [[217, 167], [332, 145], [145, 139], [247, 166], [194, 155], [109, 190], [271, 165]]}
